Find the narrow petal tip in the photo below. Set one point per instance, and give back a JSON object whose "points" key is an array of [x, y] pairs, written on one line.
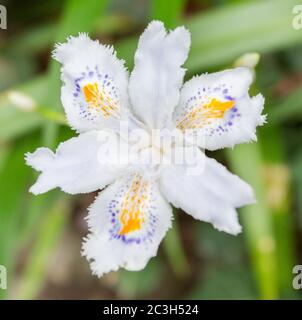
{"points": [[40, 159]]}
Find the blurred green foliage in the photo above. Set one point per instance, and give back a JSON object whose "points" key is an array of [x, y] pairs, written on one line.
{"points": [[196, 261]]}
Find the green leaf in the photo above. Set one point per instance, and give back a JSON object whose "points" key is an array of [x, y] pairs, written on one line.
{"points": [[297, 179], [277, 177], [13, 176], [289, 108], [136, 284], [13, 121], [175, 250], [222, 34], [246, 161], [224, 283], [170, 12], [46, 240]]}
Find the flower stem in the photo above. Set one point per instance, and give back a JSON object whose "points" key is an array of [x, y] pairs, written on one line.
{"points": [[175, 250]]}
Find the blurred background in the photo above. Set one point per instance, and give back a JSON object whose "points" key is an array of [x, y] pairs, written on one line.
{"points": [[40, 236]]}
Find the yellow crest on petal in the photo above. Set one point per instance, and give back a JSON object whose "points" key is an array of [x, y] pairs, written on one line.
{"points": [[204, 113], [133, 206], [99, 100]]}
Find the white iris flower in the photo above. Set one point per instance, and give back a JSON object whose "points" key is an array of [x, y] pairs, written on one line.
{"points": [[130, 217]]}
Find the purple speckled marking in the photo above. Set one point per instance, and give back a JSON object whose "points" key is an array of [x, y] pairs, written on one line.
{"points": [[229, 97], [79, 102], [215, 127]]}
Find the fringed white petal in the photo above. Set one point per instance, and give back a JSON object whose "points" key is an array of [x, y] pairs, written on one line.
{"points": [[94, 94], [218, 110], [127, 222], [157, 75], [76, 167], [211, 194]]}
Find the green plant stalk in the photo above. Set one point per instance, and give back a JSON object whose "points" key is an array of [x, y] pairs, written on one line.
{"points": [[35, 209], [48, 237], [297, 179], [247, 162], [52, 115], [278, 186], [13, 176], [277, 182], [175, 251], [4, 153]]}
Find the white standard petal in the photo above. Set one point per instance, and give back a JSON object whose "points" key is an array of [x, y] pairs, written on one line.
{"points": [[218, 109], [157, 75], [211, 194], [127, 222], [94, 94], [80, 165]]}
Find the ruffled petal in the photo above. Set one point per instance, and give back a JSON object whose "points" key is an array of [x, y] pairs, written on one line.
{"points": [[211, 194], [157, 76], [218, 110], [127, 222], [94, 94], [80, 165]]}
